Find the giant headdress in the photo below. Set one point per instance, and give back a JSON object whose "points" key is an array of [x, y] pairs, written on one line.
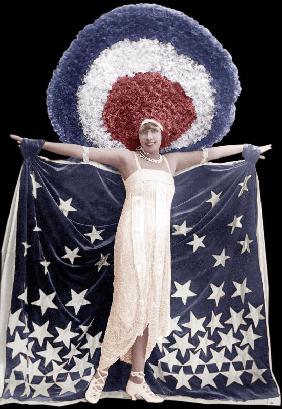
{"points": [[140, 61]]}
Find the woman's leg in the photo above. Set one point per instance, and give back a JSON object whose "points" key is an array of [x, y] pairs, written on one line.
{"points": [[138, 355]]}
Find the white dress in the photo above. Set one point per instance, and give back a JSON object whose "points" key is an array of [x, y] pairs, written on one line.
{"points": [[142, 265]]}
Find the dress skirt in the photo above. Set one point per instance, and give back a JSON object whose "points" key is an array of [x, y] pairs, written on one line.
{"points": [[142, 266]]}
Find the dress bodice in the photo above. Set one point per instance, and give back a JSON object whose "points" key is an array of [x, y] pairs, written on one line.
{"points": [[146, 174]]}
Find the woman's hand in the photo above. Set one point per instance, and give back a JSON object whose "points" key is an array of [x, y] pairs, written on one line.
{"points": [[264, 148], [16, 138]]}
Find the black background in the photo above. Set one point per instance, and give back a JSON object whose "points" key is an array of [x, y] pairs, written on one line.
{"points": [[34, 37]]}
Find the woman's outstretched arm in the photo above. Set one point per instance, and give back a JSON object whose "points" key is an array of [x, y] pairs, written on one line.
{"points": [[108, 156], [65, 149], [217, 152], [183, 160]]}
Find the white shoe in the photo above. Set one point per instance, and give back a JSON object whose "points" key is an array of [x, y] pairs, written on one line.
{"points": [[142, 389], [95, 387]]}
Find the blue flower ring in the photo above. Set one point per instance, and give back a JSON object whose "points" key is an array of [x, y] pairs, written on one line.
{"points": [[113, 71]]}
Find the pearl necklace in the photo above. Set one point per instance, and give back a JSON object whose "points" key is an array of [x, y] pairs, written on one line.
{"points": [[140, 152]]}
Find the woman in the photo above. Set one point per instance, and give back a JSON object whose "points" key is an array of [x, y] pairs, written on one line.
{"points": [[140, 309]]}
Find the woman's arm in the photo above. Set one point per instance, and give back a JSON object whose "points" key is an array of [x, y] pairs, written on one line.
{"points": [[184, 160], [65, 149], [107, 156]]}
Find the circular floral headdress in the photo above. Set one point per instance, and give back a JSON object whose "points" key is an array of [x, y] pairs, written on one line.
{"points": [[143, 61]]}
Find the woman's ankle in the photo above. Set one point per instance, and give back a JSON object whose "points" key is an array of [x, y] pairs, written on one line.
{"points": [[135, 379], [137, 376]]}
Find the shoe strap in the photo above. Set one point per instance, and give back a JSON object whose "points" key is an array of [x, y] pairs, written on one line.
{"points": [[139, 374], [95, 384]]}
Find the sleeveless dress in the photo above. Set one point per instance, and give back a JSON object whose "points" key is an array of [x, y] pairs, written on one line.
{"points": [[142, 265]]}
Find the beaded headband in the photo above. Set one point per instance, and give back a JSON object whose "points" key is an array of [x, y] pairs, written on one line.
{"points": [[145, 121]]}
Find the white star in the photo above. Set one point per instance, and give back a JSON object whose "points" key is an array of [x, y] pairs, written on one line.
{"points": [[12, 383], [45, 264], [241, 290], [181, 343], [65, 206], [40, 332], [227, 340], [21, 366], [93, 343], [34, 368], [218, 358], [183, 291], [14, 321], [194, 360], [174, 324], [67, 385], [71, 254], [214, 198], [181, 229], [249, 337], [195, 324], [73, 351], [236, 319], [257, 373], [217, 293], [182, 379], [207, 378], [81, 364], [45, 301], [255, 314], [235, 223], [103, 261], [58, 369], [35, 185], [18, 345], [244, 185], [41, 388], [26, 246], [233, 375], [50, 353], [65, 335], [245, 244], [204, 342], [23, 296], [196, 242], [220, 259], [170, 359], [215, 322], [159, 372], [162, 343], [242, 355], [94, 235], [77, 300]]}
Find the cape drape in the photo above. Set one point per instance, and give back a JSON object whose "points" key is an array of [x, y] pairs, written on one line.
{"points": [[57, 276]]}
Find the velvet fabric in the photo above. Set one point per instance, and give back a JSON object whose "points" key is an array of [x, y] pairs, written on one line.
{"points": [[57, 285]]}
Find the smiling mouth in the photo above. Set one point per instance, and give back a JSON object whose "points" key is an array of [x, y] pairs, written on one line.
{"points": [[151, 143]]}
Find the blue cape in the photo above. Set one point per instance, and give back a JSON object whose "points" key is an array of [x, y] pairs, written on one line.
{"points": [[54, 309]]}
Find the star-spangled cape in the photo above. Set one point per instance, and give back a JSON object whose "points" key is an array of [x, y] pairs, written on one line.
{"points": [[57, 278]]}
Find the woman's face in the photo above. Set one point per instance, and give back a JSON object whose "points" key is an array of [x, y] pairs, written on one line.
{"points": [[150, 139]]}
